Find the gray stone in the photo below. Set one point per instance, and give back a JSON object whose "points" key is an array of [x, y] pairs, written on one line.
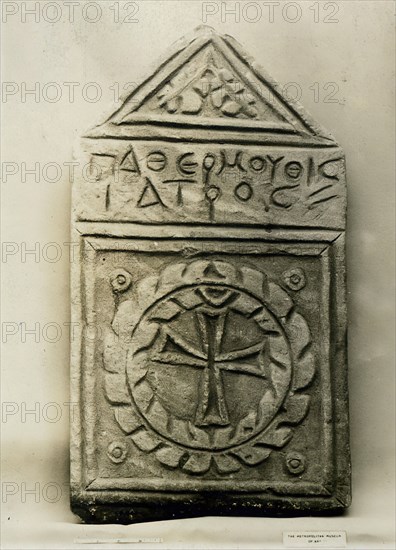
{"points": [[209, 364]]}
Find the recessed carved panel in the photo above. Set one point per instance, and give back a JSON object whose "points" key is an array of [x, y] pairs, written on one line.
{"points": [[216, 362]]}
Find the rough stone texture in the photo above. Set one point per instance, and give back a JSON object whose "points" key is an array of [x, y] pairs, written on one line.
{"points": [[210, 357]]}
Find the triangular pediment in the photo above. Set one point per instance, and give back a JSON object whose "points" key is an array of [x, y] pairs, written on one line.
{"points": [[209, 86], [208, 80]]}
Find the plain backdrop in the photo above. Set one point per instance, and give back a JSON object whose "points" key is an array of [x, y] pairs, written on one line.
{"points": [[339, 57]]}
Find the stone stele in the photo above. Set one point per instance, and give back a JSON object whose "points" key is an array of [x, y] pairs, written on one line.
{"points": [[208, 300]]}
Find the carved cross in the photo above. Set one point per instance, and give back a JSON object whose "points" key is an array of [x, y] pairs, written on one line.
{"points": [[175, 350]]}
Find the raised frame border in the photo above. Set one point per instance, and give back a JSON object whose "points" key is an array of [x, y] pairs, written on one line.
{"points": [[93, 503]]}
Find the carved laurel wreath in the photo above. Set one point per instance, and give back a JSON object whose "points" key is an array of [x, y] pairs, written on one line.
{"points": [[177, 442]]}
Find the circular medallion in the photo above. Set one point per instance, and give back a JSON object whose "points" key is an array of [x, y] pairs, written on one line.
{"points": [[209, 365]]}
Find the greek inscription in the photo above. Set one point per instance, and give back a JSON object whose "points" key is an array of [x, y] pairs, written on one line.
{"points": [[149, 196], [274, 164], [329, 169], [208, 164], [258, 164], [226, 163], [186, 165], [156, 161], [294, 170], [179, 183], [130, 163], [244, 191], [283, 196]]}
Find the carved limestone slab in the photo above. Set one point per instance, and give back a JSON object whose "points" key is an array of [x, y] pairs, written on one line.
{"points": [[209, 364]]}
